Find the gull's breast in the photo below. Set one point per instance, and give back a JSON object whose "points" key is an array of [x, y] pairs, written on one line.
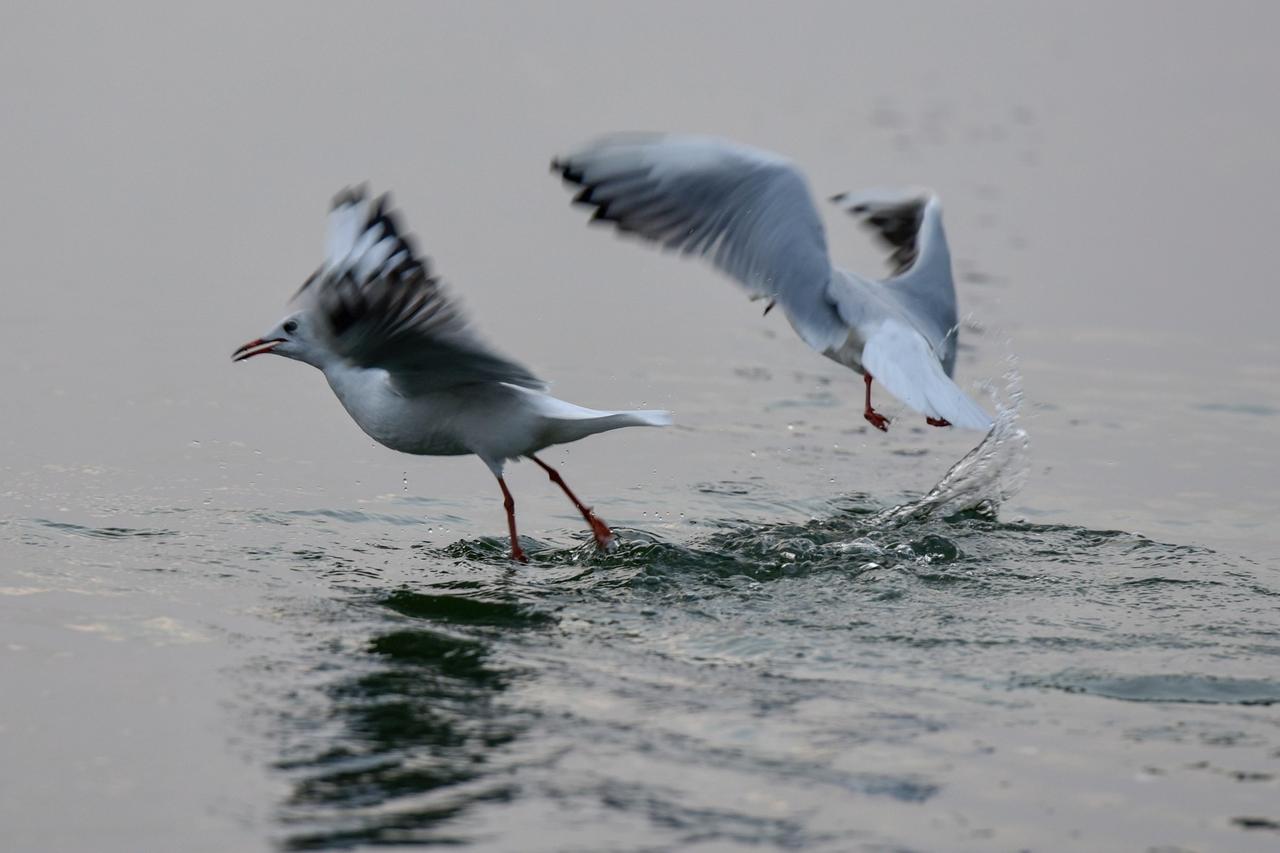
{"points": [[418, 425]]}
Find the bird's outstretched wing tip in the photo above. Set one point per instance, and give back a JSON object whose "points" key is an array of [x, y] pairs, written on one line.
{"points": [[350, 194], [366, 239], [897, 218]]}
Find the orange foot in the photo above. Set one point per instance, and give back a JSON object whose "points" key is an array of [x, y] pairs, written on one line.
{"points": [[517, 553], [605, 538], [937, 422], [877, 420]]}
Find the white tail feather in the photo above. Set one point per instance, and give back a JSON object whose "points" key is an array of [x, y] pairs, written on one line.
{"points": [[900, 359]]}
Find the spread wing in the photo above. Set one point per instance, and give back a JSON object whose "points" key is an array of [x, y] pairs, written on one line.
{"points": [[747, 211], [383, 308], [909, 224], [895, 217]]}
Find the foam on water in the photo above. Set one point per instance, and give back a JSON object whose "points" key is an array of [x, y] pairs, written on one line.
{"points": [[989, 474]]}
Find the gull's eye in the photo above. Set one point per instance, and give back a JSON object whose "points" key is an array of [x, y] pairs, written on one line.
{"points": [[291, 327]]}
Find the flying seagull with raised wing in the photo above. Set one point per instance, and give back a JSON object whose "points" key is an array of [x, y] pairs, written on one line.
{"points": [[401, 358], [751, 214]]}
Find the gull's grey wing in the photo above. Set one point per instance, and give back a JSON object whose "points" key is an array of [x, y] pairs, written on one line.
{"points": [[896, 217], [382, 307], [748, 211], [909, 224]]}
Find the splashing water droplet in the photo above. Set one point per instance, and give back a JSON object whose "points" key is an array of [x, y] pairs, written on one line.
{"points": [[989, 474]]}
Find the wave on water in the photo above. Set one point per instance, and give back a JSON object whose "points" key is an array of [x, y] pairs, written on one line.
{"points": [[487, 690]]}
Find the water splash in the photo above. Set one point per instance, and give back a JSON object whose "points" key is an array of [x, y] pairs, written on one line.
{"points": [[986, 476]]}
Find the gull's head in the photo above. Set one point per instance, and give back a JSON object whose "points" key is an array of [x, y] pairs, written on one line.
{"points": [[293, 337]]}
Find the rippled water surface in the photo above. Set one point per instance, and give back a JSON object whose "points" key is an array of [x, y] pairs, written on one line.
{"points": [[228, 622]]}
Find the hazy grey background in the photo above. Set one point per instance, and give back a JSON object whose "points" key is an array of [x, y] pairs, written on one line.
{"points": [[1113, 166], [1111, 188]]}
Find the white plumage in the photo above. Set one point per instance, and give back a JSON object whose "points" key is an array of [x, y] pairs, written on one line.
{"points": [[401, 358], [750, 213]]}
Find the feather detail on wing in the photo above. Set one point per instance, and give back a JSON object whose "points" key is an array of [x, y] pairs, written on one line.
{"points": [[895, 217], [901, 360], [749, 212], [383, 307]]}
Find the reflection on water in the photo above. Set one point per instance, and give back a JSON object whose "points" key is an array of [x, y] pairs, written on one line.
{"points": [[420, 733], [653, 689], [844, 679]]}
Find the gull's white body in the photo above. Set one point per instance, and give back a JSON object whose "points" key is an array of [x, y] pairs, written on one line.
{"points": [[495, 421], [751, 214], [401, 359]]}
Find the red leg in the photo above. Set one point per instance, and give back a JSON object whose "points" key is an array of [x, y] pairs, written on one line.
{"points": [[877, 420], [517, 553], [603, 535], [937, 421]]}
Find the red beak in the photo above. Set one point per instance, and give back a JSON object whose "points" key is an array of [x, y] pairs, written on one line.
{"points": [[256, 347]]}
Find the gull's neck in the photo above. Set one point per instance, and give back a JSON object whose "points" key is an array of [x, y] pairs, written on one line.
{"points": [[319, 357]]}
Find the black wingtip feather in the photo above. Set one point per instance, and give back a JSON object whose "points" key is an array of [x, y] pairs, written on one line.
{"points": [[351, 195], [410, 243]]}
